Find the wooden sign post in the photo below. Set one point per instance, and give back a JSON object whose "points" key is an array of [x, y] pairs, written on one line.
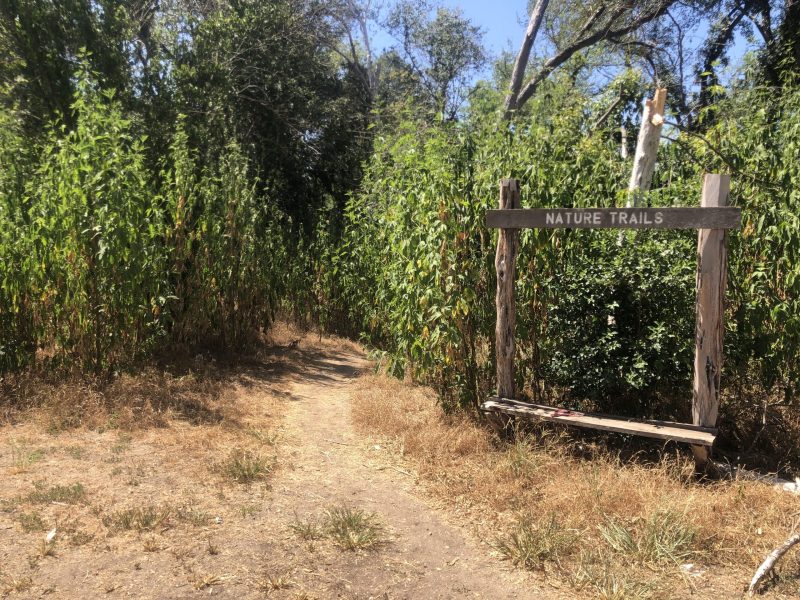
{"points": [[712, 219], [712, 275], [505, 264]]}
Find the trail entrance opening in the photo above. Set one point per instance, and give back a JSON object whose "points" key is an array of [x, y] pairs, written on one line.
{"points": [[712, 220]]}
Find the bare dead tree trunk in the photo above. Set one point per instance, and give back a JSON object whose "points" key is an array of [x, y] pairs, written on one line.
{"points": [[623, 142], [535, 22], [644, 160]]}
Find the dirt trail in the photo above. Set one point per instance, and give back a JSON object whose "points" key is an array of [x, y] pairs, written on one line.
{"points": [[195, 533], [331, 465]]}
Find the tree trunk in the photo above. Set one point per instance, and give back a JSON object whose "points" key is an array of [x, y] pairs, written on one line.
{"points": [[535, 22], [644, 160]]}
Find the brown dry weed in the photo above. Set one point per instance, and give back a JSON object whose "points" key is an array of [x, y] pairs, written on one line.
{"points": [[543, 505]]}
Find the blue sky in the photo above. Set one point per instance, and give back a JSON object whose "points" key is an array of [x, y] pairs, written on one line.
{"points": [[504, 23]]}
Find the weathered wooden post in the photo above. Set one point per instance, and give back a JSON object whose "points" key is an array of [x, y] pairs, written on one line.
{"points": [[712, 273], [505, 265]]}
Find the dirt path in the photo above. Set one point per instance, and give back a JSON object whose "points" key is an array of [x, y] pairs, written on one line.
{"points": [[332, 465], [155, 513]]}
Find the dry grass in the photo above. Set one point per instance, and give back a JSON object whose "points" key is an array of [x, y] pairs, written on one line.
{"points": [[532, 544], [66, 494], [9, 583], [245, 466], [353, 528], [138, 518], [269, 583], [648, 517], [349, 528], [307, 529], [195, 391], [199, 389]]}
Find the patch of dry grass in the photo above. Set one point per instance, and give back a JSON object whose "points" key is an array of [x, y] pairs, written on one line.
{"points": [[649, 517], [244, 466], [11, 583], [534, 543], [269, 583], [138, 518], [348, 527], [196, 392], [65, 494], [353, 528], [307, 529]]}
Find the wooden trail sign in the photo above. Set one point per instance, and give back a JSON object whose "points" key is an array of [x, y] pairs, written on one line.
{"points": [[712, 219], [616, 218]]}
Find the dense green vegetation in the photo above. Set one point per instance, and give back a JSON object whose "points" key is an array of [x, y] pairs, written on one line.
{"points": [[613, 324], [176, 173]]}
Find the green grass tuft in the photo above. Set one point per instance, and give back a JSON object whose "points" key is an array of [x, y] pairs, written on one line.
{"points": [[140, 518], [664, 537], [68, 494]]}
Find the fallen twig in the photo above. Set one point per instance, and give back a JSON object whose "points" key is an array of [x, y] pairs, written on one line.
{"points": [[769, 562], [393, 468], [335, 442]]}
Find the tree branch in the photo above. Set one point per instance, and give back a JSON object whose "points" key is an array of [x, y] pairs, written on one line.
{"points": [[605, 33], [769, 562], [607, 114], [537, 14]]}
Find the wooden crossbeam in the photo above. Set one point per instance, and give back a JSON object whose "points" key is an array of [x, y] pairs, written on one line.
{"points": [[726, 217], [664, 430]]}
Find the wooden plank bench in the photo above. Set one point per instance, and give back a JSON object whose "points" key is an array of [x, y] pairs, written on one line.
{"points": [[664, 430]]}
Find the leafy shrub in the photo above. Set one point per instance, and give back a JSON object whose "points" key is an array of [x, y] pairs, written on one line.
{"points": [[96, 276], [412, 266], [101, 261]]}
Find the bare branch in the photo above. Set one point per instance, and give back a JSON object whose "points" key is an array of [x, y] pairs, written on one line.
{"points": [[607, 114], [604, 33], [769, 562], [524, 54]]}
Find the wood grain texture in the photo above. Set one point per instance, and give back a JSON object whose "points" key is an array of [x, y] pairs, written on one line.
{"points": [[505, 266], [663, 430], [712, 272], [616, 218]]}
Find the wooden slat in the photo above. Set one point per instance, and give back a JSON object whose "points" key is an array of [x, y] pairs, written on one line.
{"points": [[729, 217], [664, 430]]}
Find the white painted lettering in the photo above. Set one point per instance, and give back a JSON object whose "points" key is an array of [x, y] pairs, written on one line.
{"points": [[659, 218], [548, 218]]}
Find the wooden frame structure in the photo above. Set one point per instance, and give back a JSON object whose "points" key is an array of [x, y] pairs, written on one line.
{"points": [[712, 220]]}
